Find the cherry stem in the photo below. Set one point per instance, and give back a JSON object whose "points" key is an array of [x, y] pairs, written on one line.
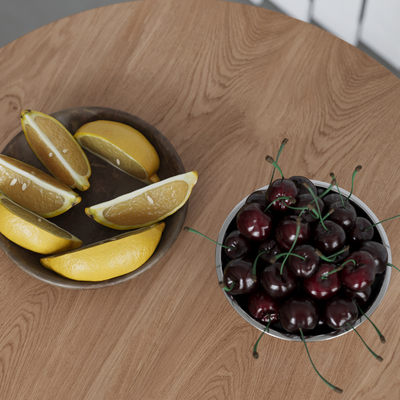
{"points": [[255, 354], [186, 228], [357, 169], [381, 222], [298, 225], [381, 337], [303, 209], [391, 265], [273, 259], [379, 358], [292, 200], [271, 161], [341, 198], [328, 189], [284, 141], [229, 289], [338, 269], [331, 211], [307, 186], [335, 388], [333, 256]]}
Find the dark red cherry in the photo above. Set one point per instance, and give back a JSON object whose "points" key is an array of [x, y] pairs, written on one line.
{"points": [[278, 285], [360, 276], [263, 307], [271, 247], [258, 197], [237, 273], [379, 254], [304, 268], [301, 189], [331, 198], [340, 311], [253, 223], [304, 200], [239, 244], [360, 297], [344, 216], [323, 289], [298, 313], [286, 232], [329, 241], [359, 232], [281, 188]]}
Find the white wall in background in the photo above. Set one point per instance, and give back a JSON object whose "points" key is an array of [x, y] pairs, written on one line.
{"points": [[299, 9], [340, 17], [380, 29]]}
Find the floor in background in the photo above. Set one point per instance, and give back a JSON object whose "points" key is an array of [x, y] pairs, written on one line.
{"points": [[18, 17]]}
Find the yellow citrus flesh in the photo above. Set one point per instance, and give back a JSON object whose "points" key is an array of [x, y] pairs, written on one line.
{"points": [[122, 146], [145, 206], [56, 148], [31, 231], [109, 258], [34, 189]]}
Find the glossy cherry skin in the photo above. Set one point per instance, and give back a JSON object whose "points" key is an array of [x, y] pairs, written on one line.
{"points": [[344, 216], [331, 198], [330, 241], [304, 200], [239, 271], [286, 232], [323, 289], [241, 245], [304, 268], [272, 248], [281, 188], [361, 298], [301, 189], [358, 234], [340, 311], [278, 285], [298, 313], [379, 254], [253, 223], [361, 276], [261, 304], [258, 197]]}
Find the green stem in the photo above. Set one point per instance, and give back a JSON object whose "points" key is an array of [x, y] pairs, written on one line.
{"points": [[337, 186], [379, 358], [328, 189], [298, 225], [284, 141], [391, 265], [357, 169], [335, 388], [186, 228], [381, 222], [254, 270], [381, 337], [306, 185], [255, 354], [292, 200], [338, 269], [332, 257], [271, 161], [229, 289]]}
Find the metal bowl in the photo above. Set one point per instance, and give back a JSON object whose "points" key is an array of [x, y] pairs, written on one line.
{"points": [[106, 182], [378, 289]]}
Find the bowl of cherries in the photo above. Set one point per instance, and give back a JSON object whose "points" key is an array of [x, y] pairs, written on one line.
{"points": [[304, 260]]}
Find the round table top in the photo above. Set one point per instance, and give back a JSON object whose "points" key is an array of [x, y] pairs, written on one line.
{"points": [[225, 83]]}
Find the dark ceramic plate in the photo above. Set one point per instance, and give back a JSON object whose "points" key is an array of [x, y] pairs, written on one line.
{"points": [[106, 183]]}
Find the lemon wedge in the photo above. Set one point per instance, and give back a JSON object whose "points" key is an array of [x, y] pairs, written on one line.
{"points": [[121, 146], [109, 258], [33, 232], [34, 189], [145, 206], [56, 148]]}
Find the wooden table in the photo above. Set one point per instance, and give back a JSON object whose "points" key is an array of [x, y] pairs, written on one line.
{"points": [[225, 83]]}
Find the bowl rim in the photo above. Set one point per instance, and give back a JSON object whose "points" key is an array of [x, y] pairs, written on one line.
{"points": [[297, 337]]}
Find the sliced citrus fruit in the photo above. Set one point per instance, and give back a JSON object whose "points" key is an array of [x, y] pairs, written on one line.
{"points": [[31, 231], [122, 146], [34, 189], [109, 258], [56, 148], [145, 206]]}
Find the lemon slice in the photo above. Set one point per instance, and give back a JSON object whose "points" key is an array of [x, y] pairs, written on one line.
{"points": [[31, 231], [109, 258], [56, 148], [145, 206], [121, 146], [34, 189]]}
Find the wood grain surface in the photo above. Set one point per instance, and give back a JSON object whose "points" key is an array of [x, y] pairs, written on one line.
{"points": [[225, 83]]}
